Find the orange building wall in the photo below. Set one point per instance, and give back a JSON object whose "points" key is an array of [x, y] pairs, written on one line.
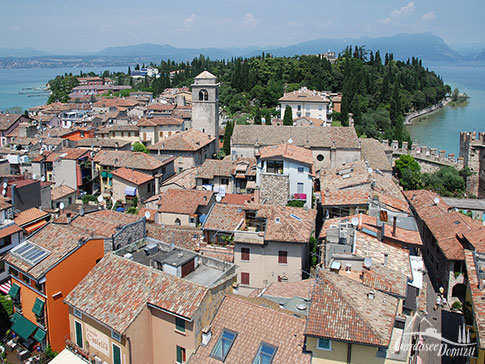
{"points": [[27, 297], [77, 135], [63, 278]]}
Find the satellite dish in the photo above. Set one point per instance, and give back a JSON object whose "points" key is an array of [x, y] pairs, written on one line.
{"points": [[41, 152], [42, 178], [368, 262], [4, 192], [81, 212], [218, 198], [34, 176], [5, 185], [147, 215], [355, 222], [100, 199], [290, 141], [61, 205], [436, 200]]}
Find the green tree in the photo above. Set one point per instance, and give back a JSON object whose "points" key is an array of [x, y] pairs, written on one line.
{"points": [[226, 144], [288, 116], [139, 147], [447, 182], [409, 172]]}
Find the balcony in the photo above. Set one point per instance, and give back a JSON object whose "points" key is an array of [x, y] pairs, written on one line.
{"points": [[80, 352], [299, 196]]}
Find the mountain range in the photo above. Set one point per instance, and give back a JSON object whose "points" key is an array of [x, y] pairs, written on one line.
{"points": [[426, 46]]}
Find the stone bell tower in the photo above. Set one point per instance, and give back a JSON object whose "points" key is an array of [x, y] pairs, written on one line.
{"points": [[205, 104]]}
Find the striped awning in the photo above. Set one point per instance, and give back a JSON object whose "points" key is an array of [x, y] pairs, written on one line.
{"points": [[5, 287]]}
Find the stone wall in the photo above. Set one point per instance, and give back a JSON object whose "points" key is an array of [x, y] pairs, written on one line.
{"points": [[472, 150], [127, 235], [275, 188]]}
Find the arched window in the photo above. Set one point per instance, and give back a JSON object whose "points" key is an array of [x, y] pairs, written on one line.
{"points": [[203, 95], [177, 221]]}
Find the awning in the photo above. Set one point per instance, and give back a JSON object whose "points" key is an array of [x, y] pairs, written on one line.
{"points": [[104, 174], [23, 327], [14, 290], [35, 226], [15, 316], [38, 307], [39, 335], [130, 191], [5, 287], [251, 185]]}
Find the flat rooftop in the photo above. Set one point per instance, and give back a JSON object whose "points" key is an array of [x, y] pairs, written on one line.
{"points": [[207, 271]]}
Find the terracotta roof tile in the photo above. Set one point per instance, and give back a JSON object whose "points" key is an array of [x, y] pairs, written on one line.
{"points": [[160, 121], [214, 167], [190, 140], [183, 236], [133, 160], [30, 215], [288, 151], [255, 321], [184, 179], [61, 191], [374, 153], [117, 289], [135, 177], [341, 310], [183, 201]]}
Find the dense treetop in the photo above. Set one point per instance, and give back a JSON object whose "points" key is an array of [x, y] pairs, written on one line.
{"points": [[377, 91]]}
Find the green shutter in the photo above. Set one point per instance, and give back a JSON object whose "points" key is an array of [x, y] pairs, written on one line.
{"points": [[179, 354], [14, 290], [79, 334], [116, 355], [38, 307], [179, 324]]}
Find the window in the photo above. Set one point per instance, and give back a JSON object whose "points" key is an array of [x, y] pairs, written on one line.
{"points": [[244, 278], [245, 254], [299, 107], [223, 345], [179, 324], [324, 344], [307, 113], [14, 272], [300, 187], [2, 266], [301, 169], [203, 95], [25, 279], [224, 181], [177, 222], [381, 352], [116, 354], [79, 334], [180, 354], [282, 257], [319, 157], [161, 134], [274, 166], [265, 354]]}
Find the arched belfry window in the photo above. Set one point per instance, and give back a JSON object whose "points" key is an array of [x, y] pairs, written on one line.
{"points": [[203, 95]]}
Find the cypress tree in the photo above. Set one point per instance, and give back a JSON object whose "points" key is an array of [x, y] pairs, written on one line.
{"points": [[288, 117]]}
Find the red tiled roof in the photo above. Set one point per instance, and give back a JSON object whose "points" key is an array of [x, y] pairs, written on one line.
{"points": [[29, 216], [117, 289], [341, 310], [183, 201], [160, 121], [135, 177], [288, 151], [255, 321], [477, 295], [61, 191]]}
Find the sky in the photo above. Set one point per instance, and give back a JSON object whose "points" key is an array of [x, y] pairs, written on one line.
{"points": [[89, 26]]}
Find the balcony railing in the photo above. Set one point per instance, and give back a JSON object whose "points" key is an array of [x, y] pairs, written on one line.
{"points": [[80, 352]]}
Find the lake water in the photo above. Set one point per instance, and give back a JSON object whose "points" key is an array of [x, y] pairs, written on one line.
{"points": [[12, 81], [441, 129]]}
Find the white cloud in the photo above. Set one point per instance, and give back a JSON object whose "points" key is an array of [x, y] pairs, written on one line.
{"points": [[250, 20], [385, 21], [189, 21], [405, 10], [428, 16]]}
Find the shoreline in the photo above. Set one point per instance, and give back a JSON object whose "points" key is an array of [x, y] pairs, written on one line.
{"points": [[428, 110]]}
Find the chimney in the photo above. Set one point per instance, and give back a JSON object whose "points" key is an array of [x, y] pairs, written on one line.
{"points": [[206, 335], [371, 295], [394, 222], [351, 120], [386, 258], [257, 196], [157, 185], [117, 145]]}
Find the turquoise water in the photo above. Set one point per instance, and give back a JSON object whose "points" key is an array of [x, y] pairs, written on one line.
{"points": [[441, 129], [12, 81]]}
